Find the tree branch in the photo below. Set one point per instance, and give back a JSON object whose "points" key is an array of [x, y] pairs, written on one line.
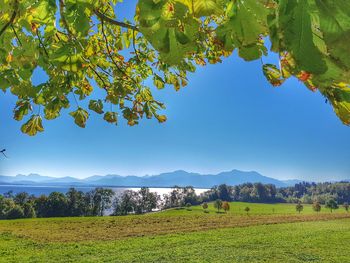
{"points": [[64, 21], [114, 22], [13, 16]]}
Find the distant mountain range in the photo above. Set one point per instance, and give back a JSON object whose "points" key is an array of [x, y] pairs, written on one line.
{"points": [[179, 178]]}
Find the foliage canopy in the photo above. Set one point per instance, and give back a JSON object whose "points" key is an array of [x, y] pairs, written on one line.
{"points": [[81, 45]]}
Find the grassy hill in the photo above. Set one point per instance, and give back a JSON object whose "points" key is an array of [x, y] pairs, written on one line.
{"points": [[269, 233]]}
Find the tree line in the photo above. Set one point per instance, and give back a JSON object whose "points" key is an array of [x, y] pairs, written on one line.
{"points": [[101, 201], [303, 192]]}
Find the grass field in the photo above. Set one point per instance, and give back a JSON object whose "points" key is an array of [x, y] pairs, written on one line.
{"points": [[265, 235]]}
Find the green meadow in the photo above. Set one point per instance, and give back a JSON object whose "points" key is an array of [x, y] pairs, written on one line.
{"points": [[268, 233]]}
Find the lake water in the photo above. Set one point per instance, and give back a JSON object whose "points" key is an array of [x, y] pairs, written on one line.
{"points": [[46, 190]]}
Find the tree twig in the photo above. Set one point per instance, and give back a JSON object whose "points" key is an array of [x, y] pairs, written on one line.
{"points": [[64, 21], [14, 31], [13, 16], [114, 22], [111, 56]]}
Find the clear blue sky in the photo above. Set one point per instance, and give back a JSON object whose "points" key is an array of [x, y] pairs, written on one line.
{"points": [[228, 117]]}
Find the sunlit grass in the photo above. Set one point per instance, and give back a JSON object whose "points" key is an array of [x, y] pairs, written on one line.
{"points": [[269, 233]]}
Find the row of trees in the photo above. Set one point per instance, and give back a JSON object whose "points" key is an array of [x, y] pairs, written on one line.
{"points": [[56, 204], [96, 202], [316, 206], [267, 193], [321, 192], [99, 201]]}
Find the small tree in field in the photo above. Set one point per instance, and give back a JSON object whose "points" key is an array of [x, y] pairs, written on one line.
{"points": [[247, 209], [316, 206], [299, 207], [205, 207], [218, 204], [331, 204], [346, 206], [188, 205], [226, 206]]}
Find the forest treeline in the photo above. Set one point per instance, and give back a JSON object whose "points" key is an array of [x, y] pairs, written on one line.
{"points": [[101, 201]]}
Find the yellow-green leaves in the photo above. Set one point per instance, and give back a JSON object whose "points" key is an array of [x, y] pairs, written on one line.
{"points": [[200, 8], [161, 118], [96, 106], [295, 20], [82, 44], [335, 26], [169, 27], [340, 99], [158, 81], [80, 117], [22, 108], [33, 126], [273, 74], [245, 27], [111, 117]]}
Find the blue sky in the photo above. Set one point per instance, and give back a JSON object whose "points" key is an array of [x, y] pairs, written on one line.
{"points": [[228, 117]]}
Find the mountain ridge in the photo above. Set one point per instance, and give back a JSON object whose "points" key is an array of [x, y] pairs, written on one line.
{"points": [[167, 179]]}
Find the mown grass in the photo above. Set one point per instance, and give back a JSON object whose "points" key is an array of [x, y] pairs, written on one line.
{"points": [[179, 235], [237, 208], [325, 241]]}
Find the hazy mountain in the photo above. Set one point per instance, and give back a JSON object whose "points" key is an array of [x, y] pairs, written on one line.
{"points": [[180, 178], [36, 178]]}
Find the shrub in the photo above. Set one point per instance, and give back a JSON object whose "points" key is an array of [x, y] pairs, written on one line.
{"points": [[205, 207], [299, 207], [226, 206], [15, 212], [346, 206], [331, 204], [316, 206], [218, 204]]}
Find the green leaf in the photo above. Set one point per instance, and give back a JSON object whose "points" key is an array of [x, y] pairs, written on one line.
{"points": [[161, 118], [22, 108], [110, 117], [340, 99], [245, 28], [33, 126], [158, 82], [168, 28], [273, 74], [205, 7], [96, 106], [335, 26], [295, 19], [80, 117]]}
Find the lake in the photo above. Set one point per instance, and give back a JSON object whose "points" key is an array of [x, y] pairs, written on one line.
{"points": [[46, 190]]}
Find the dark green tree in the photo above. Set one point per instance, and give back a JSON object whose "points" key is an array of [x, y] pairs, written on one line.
{"points": [[316, 206], [15, 212], [299, 207], [218, 204], [331, 204]]}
